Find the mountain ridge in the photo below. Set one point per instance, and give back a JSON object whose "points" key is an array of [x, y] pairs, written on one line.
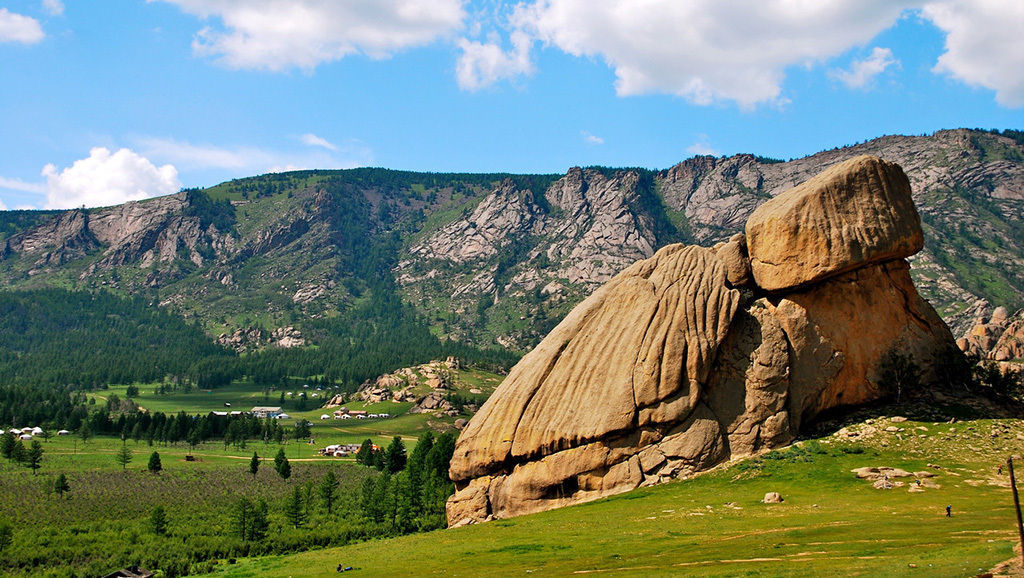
{"points": [[498, 258]]}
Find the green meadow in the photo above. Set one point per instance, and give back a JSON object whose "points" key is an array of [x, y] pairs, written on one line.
{"points": [[830, 522]]}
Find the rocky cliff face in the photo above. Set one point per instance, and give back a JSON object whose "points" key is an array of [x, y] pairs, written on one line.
{"points": [[968, 186], [694, 356], [498, 259], [998, 337]]}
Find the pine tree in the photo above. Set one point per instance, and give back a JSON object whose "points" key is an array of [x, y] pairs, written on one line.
{"points": [[284, 469], [328, 490], [123, 456], [7, 445], [84, 432], [60, 485], [394, 456], [154, 463], [241, 520], [294, 511], [18, 453], [365, 453], [158, 521], [254, 465], [34, 457], [259, 521]]}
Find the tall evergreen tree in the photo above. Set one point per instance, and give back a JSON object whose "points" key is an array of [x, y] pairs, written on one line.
{"points": [[7, 445], [281, 464], [254, 465], [158, 521], [365, 453], [155, 466], [328, 490], [123, 456], [294, 510], [60, 485], [394, 456], [34, 457]]}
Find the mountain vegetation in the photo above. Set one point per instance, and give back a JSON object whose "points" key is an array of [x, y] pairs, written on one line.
{"points": [[489, 260]]}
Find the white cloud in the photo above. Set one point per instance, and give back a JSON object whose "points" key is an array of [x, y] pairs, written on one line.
{"points": [[707, 50], [702, 147], [281, 34], [246, 160], [984, 44], [106, 178], [483, 64], [591, 139], [862, 72], [53, 7], [20, 185], [18, 28], [316, 141]]}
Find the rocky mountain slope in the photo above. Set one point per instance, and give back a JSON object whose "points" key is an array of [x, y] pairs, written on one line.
{"points": [[495, 259]]}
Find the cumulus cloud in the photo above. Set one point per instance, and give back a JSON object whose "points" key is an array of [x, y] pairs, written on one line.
{"points": [[591, 139], [281, 34], [483, 64], [707, 50], [316, 141], [862, 72], [53, 7], [17, 28], [106, 178], [984, 45]]}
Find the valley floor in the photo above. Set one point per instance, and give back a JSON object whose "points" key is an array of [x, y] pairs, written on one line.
{"points": [[831, 521]]}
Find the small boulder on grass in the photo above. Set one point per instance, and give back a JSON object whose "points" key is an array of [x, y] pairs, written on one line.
{"points": [[772, 498]]}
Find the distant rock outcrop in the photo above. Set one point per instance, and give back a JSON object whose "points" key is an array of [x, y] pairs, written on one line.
{"points": [[692, 357], [998, 337]]}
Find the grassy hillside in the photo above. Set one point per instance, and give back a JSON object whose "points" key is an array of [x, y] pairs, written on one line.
{"points": [[831, 522]]}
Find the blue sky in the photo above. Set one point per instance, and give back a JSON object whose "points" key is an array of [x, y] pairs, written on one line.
{"points": [[108, 101]]}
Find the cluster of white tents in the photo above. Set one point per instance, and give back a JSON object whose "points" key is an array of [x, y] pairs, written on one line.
{"points": [[27, 433]]}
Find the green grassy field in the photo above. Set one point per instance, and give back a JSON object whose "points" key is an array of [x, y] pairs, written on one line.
{"points": [[244, 396], [831, 522]]}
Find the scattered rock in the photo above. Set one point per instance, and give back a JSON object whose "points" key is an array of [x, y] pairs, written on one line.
{"points": [[772, 498]]}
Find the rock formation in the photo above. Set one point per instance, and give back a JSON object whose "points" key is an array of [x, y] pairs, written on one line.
{"points": [[696, 355], [999, 337]]}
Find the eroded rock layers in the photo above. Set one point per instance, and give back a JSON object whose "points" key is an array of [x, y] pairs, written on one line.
{"points": [[698, 355]]}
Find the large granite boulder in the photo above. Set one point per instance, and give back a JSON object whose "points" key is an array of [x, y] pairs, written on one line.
{"points": [[857, 212], [685, 359]]}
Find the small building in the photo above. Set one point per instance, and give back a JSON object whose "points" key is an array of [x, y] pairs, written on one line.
{"points": [[325, 416], [37, 431], [282, 416], [63, 432], [236, 413], [25, 437], [265, 411], [219, 413], [26, 430], [358, 412]]}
